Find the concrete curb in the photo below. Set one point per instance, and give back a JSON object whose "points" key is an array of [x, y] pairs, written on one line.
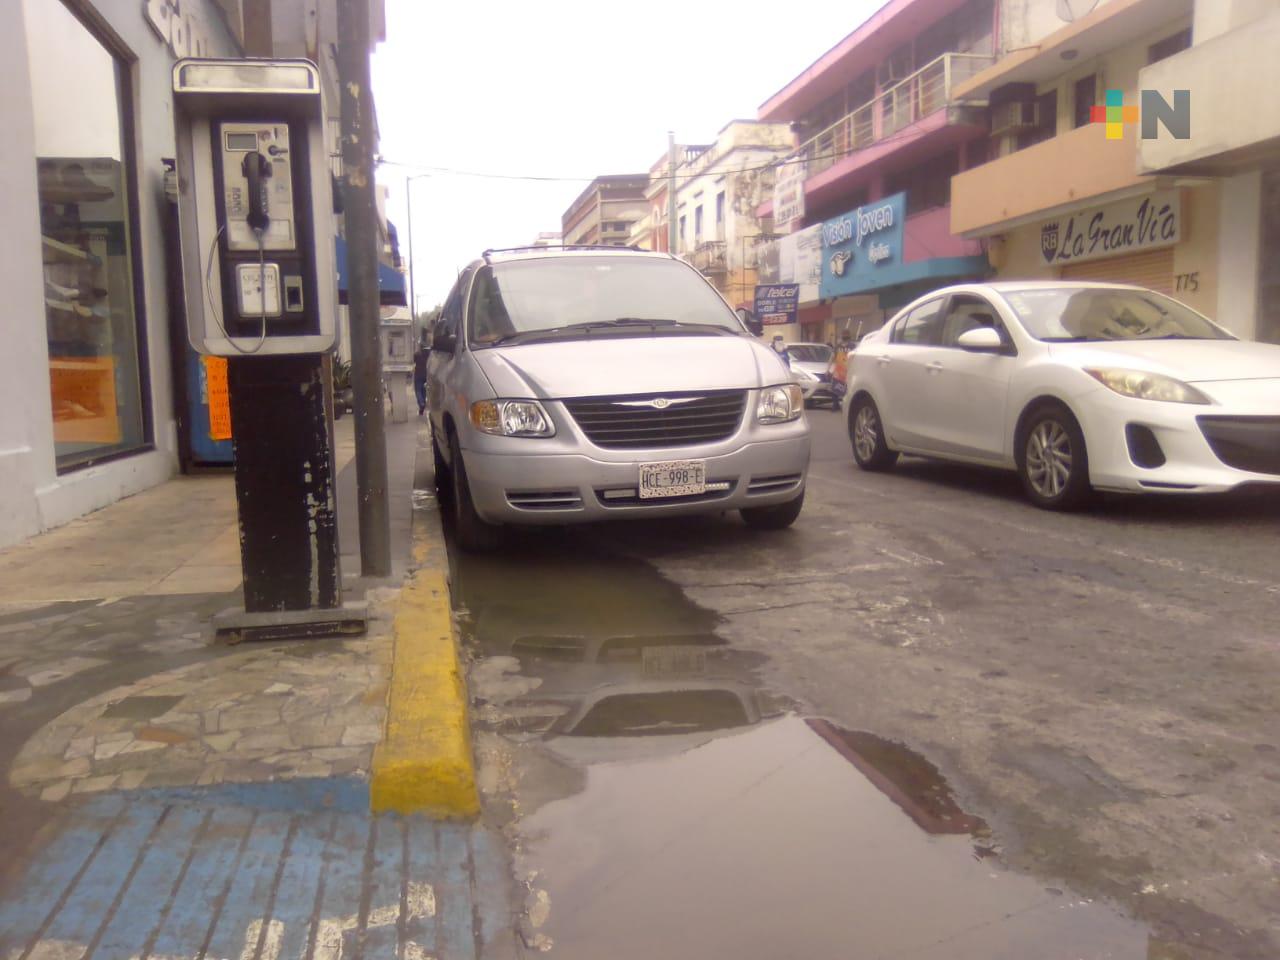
{"points": [[424, 763]]}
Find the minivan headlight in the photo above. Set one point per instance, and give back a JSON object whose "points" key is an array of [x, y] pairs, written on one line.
{"points": [[1147, 386], [512, 418], [780, 404]]}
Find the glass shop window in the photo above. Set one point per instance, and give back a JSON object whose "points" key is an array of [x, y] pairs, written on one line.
{"points": [[85, 181]]}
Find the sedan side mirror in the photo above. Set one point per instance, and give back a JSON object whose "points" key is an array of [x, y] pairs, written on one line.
{"points": [[754, 326], [981, 340]]}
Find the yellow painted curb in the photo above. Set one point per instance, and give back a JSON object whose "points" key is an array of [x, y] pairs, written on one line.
{"points": [[424, 763]]}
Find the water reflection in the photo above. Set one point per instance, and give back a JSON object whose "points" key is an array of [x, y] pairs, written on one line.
{"points": [[704, 818]]}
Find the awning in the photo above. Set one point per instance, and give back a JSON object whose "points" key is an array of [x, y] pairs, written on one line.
{"points": [[390, 280]]}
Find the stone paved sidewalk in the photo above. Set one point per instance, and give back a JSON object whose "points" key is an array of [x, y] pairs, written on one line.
{"points": [[167, 795]]}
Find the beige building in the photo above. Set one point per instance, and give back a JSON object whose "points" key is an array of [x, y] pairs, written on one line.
{"points": [[1057, 198], [1232, 71], [717, 194], [603, 213]]}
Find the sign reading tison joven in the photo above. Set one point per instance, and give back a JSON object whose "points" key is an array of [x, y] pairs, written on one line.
{"points": [[1130, 226]]}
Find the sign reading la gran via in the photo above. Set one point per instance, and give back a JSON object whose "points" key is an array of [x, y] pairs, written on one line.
{"points": [[1143, 223]]}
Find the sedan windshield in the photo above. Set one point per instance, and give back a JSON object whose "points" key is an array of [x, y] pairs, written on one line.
{"points": [[810, 352], [593, 296], [1066, 314]]}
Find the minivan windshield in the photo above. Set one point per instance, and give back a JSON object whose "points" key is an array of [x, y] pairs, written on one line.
{"points": [[810, 352], [1073, 314], [612, 294]]}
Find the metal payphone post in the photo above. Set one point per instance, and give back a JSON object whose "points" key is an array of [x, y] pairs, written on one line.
{"points": [[255, 211]]}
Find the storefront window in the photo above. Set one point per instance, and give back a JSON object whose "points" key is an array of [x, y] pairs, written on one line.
{"points": [[79, 93]]}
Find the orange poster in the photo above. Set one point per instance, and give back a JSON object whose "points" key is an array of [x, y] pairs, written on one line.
{"points": [[215, 378], [84, 400]]}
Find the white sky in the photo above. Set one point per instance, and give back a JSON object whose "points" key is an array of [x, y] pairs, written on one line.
{"points": [[564, 88]]}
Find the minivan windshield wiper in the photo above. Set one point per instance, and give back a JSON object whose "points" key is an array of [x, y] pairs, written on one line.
{"points": [[620, 323]]}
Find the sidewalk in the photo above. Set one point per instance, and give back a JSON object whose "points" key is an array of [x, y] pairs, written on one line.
{"points": [[166, 795]]}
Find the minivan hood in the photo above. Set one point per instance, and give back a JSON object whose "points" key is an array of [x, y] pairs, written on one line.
{"points": [[1192, 361], [617, 366]]}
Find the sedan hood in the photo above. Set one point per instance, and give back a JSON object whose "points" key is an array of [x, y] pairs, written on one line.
{"points": [[617, 366], [1192, 361]]}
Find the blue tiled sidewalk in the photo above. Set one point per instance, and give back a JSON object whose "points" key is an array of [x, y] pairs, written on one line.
{"points": [[296, 869]]}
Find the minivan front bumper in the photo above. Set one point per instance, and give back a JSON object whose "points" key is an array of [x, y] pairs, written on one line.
{"points": [[555, 488]]}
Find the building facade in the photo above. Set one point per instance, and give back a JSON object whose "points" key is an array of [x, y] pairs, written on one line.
{"points": [[1230, 67], [603, 213], [718, 191], [93, 378], [1059, 198], [881, 135]]}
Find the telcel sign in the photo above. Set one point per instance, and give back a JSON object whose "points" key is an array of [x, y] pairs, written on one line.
{"points": [[856, 244]]}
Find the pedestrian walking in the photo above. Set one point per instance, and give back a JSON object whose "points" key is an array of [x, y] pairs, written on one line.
{"points": [[780, 348], [420, 358], [839, 372]]}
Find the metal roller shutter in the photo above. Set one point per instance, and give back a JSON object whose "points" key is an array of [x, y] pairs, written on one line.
{"points": [[1153, 269]]}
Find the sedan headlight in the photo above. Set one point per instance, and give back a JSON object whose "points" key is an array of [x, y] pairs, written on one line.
{"points": [[780, 404], [800, 373], [512, 418], [1147, 386]]}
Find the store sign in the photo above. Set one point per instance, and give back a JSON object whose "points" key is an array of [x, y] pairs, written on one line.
{"points": [[788, 195], [183, 31], [796, 258], [1143, 223], [857, 244], [777, 303]]}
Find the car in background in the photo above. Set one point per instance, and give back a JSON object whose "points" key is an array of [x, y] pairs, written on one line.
{"points": [[1076, 386], [569, 384], [811, 368]]}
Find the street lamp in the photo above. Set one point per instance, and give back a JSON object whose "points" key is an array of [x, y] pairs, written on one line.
{"points": [[408, 191]]}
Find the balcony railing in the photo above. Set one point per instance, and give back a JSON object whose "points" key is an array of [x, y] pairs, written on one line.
{"points": [[709, 256], [926, 91]]}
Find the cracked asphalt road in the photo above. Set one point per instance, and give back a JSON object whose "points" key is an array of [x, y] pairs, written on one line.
{"points": [[1101, 688]]}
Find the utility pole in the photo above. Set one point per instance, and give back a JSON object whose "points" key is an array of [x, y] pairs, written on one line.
{"points": [[358, 142], [413, 297], [671, 192]]}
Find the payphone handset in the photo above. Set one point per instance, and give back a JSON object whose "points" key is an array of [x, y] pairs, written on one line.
{"points": [[254, 199], [255, 165]]}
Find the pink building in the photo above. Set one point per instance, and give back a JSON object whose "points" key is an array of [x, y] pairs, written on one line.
{"points": [[875, 117]]}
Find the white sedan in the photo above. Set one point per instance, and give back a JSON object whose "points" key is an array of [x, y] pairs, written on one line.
{"points": [[1076, 386]]}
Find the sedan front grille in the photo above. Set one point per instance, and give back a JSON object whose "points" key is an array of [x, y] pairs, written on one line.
{"points": [[659, 420], [1246, 443]]}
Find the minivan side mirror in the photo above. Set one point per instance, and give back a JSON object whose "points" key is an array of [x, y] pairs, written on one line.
{"points": [[754, 326], [981, 340], [442, 339]]}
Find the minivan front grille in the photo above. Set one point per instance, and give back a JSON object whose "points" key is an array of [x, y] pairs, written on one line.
{"points": [[659, 420]]}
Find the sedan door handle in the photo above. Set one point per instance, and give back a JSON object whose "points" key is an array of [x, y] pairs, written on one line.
{"points": [[935, 366], [884, 360]]}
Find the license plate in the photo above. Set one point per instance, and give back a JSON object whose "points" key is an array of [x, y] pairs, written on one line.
{"points": [[674, 478]]}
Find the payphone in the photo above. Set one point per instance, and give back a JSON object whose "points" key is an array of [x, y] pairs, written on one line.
{"points": [[255, 205], [255, 210]]}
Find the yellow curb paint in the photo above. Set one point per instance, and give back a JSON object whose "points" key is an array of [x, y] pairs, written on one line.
{"points": [[424, 763]]}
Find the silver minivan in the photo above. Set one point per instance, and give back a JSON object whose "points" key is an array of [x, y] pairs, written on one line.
{"points": [[568, 385]]}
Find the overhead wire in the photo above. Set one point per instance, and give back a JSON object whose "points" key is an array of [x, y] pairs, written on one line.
{"points": [[712, 171]]}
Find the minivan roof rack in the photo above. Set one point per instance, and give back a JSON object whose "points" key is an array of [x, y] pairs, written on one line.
{"points": [[561, 246]]}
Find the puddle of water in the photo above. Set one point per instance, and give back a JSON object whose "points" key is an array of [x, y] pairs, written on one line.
{"points": [[703, 819], [774, 843]]}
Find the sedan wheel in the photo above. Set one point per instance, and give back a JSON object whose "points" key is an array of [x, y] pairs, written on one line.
{"points": [[1054, 464], [870, 449]]}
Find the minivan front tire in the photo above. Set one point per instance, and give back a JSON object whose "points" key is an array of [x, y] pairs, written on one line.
{"points": [[777, 517], [473, 534]]}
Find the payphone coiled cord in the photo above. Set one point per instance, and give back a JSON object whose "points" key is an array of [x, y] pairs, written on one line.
{"points": [[262, 288]]}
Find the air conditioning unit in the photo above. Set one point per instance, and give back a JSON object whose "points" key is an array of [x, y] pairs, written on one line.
{"points": [[1014, 117]]}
